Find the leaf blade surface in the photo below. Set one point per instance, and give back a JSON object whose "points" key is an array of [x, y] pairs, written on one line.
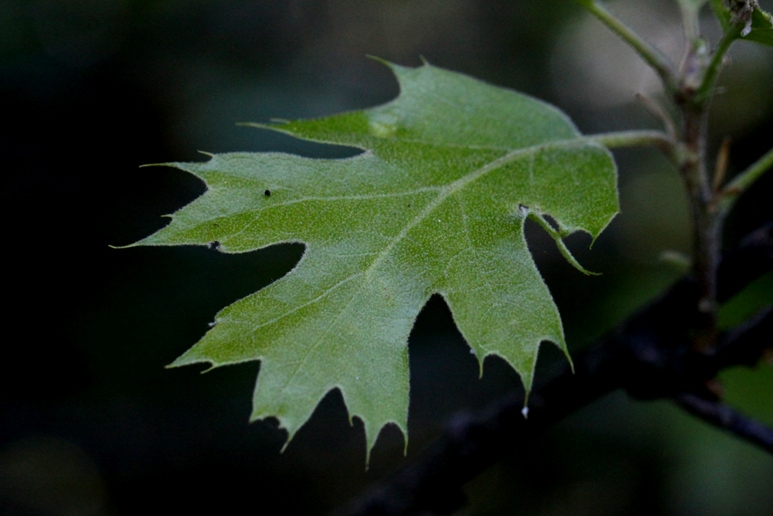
{"points": [[435, 204]]}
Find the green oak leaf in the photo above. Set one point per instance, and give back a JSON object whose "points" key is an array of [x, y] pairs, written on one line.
{"points": [[436, 203]]}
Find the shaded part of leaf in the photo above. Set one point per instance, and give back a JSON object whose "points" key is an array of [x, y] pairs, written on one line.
{"points": [[439, 107]]}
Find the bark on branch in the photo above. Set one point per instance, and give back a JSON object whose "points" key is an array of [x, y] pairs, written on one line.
{"points": [[650, 356]]}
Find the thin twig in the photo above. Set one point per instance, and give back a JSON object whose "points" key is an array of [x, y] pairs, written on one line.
{"points": [[752, 258], [659, 113], [720, 168], [746, 343], [651, 55], [743, 181], [727, 418]]}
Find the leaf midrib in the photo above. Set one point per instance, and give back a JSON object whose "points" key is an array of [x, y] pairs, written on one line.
{"points": [[445, 191]]}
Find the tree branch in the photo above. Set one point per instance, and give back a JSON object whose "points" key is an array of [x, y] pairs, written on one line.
{"points": [[650, 355], [727, 418]]}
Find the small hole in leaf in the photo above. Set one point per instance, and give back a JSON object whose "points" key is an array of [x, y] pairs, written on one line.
{"points": [[267, 193]]}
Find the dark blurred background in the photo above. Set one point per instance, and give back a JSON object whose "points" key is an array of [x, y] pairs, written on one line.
{"points": [[90, 421]]}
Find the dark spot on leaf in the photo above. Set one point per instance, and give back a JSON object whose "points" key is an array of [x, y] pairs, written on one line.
{"points": [[267, 193]]}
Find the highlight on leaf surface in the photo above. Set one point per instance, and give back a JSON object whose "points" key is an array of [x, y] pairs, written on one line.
{"points": [[436, 203]]}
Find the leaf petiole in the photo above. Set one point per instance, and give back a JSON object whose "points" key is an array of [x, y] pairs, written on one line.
{"points": [[659, 139]]}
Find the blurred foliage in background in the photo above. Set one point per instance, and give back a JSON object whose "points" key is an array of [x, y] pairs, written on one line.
{"points": [[92, 423]]}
